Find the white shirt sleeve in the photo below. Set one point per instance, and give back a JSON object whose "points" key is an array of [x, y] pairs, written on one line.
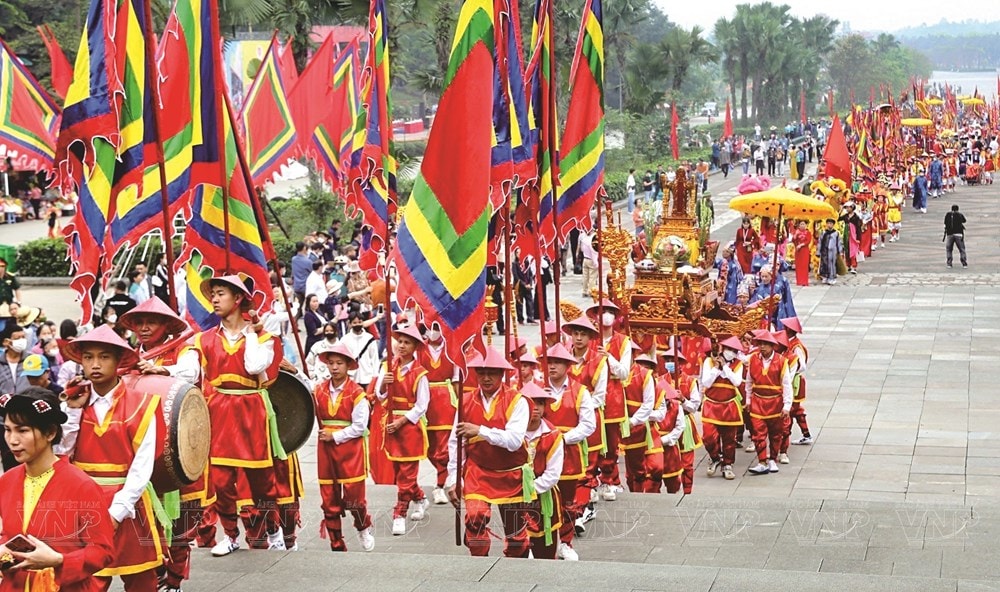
{"points": [[187, 368], [709, 372], [139, 473], [657, 414], [511, 437], [70, 430], [378, 385], [786, 388], [553, 469], [423, 399], [601, 388], [452, 456], [694, 398], [257, 356], [648, 398], [733, 374], [586, 424], [620, 368], [359, 422]]}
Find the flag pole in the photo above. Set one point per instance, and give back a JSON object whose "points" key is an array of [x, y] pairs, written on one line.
{"points": [[508, 280], [153, 79], [220, 132]]}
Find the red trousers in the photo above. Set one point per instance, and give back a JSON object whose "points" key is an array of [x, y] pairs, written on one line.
{"points": [[178, 559], [407, 489], [654, 468], [637, 469], [437, 453], [589, 482], [797, 414], [720, 442], [206, 529], [262, 491], [144, 581], [571, 508], [687, 477], [477, 528], [608, 462], [768, 435], [337, 500]]}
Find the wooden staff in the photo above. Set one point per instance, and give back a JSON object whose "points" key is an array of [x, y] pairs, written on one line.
{"points": [[220, 113], [459, 450], [508, 279]]}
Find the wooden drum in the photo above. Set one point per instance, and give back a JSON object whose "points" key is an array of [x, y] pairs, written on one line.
{"points": [[186, 434], [294, 410]]}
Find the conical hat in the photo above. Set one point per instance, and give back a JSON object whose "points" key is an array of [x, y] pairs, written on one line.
{"points": [[156, 308], [103, 335]]}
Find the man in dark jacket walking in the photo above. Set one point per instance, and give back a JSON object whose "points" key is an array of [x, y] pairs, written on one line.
{"points": [[954, 234]]}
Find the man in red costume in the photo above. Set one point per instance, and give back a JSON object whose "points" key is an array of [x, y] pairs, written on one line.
{"points": [[111, 434], [342, 412], [721, 412], [162, 335], [496, 470], [544, 443], [798, 357], [239, 360], [407, 393], [616, 347], [689, 398], [640, 396], [769, 399], [572, 413], [442, 377]]}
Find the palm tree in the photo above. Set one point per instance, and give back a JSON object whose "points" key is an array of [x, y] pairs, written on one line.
{"points": [[683, 49]]}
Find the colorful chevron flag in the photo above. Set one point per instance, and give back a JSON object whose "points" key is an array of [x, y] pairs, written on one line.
{"points": [[372, 185], [268, 123], [441, 245], [309, 97], [28, 116], [582, 164], [511, 153], [331, 142]]}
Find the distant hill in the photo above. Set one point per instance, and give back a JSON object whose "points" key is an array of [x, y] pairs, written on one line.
{"points": [[947, 28], [958, 53]]}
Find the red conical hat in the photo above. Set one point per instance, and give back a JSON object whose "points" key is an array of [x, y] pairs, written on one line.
{"points": [[518, 343], [560, 353], [792, 323], [765, 337], [781, 338], [493, 360], [156, 308], [103, 335], [732, 343]]}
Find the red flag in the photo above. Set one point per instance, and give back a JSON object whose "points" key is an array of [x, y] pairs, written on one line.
{"points": [[838, 161], [802, 105], [674, 146], [62, 71], [727, 127], [286, 61], [310, 98], [268, 125]]}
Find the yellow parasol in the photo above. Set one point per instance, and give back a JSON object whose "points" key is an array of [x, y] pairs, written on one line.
{"points": [[974, 101], [781, 201], [934, 101], [916, 122]]}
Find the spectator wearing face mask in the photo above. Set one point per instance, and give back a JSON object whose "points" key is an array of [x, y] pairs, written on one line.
{"points": [[15, 347], [363, 346], [327, 339]]}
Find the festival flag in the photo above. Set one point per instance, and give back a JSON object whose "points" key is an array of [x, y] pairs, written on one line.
{"points": [[534, 222], [286, 63], [28, 116], [310, 97], [727, 126], [441, 246], [372, 174], [675, 150], [510, 157], [582, 164], [268, 125], [331, 142], [62, 71], [802, 106], [836, 157]]}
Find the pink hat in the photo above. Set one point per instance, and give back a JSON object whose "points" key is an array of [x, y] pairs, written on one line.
{"points": [[551, 327], [241, 283], [533, 391], [494, 360], [644, 359], [517, 344], [669, 355], [339, 350], [732, 343], [605, 304], [412, 332], [154, 307], [781, 338], [765, 337], [528, 358], [579, 323], [103, 335], [792, 323], [560, 353]]}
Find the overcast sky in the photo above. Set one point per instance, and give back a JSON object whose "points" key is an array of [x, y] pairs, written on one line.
{"points": [[863, 15]]}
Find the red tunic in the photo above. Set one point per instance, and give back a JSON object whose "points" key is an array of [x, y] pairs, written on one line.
{"points": [[493, 474], [614, 402], [672, 464], [803, 241], [637, 381], [799, 380], [723, 402], [692, 438], [202, 489], [564, 414], [443, 401], [747, 241], [587, 373], [240, 432], [345, 462], [539, 453], [70, 516], [766, 401], [105, 452], [409, 442]]}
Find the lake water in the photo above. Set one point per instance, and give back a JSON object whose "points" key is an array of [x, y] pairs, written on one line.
{"points": [[986, 82]]}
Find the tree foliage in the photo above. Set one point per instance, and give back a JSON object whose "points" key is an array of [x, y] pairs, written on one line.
{"points": [[859, 65]]}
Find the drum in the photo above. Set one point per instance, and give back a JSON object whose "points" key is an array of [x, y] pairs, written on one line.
{"points": [[294, 410], [183, 450]]}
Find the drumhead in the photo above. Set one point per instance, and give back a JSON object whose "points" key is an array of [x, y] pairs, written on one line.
{"points": [[294, 410], [194, 430]]}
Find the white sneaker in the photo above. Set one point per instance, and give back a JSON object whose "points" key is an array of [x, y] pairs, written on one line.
{"points": [[579, 526], [593, 495], [398, 526], [772, 466], [566, 553], [439, 496], [713, 468], [420, 511], [588, 514], [783, 458], [367, 538], [276, 541], [225, 547], [758, 469], [294, 547], [608, 493], [803, 441], [750, 447], [727, 472]]}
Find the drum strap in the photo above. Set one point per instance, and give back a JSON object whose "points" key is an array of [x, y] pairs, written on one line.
{"points": [[277, 450], [154, 503]]}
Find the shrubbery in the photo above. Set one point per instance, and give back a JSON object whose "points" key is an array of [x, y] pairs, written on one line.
{"points": [[43, 257]]}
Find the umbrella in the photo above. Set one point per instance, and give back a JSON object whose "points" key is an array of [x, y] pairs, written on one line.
{"points": [[781, 201], [916, 122], [974, 101], [934, 101]]}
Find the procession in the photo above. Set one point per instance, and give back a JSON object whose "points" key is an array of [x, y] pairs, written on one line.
{"points": [[498, 341]]}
